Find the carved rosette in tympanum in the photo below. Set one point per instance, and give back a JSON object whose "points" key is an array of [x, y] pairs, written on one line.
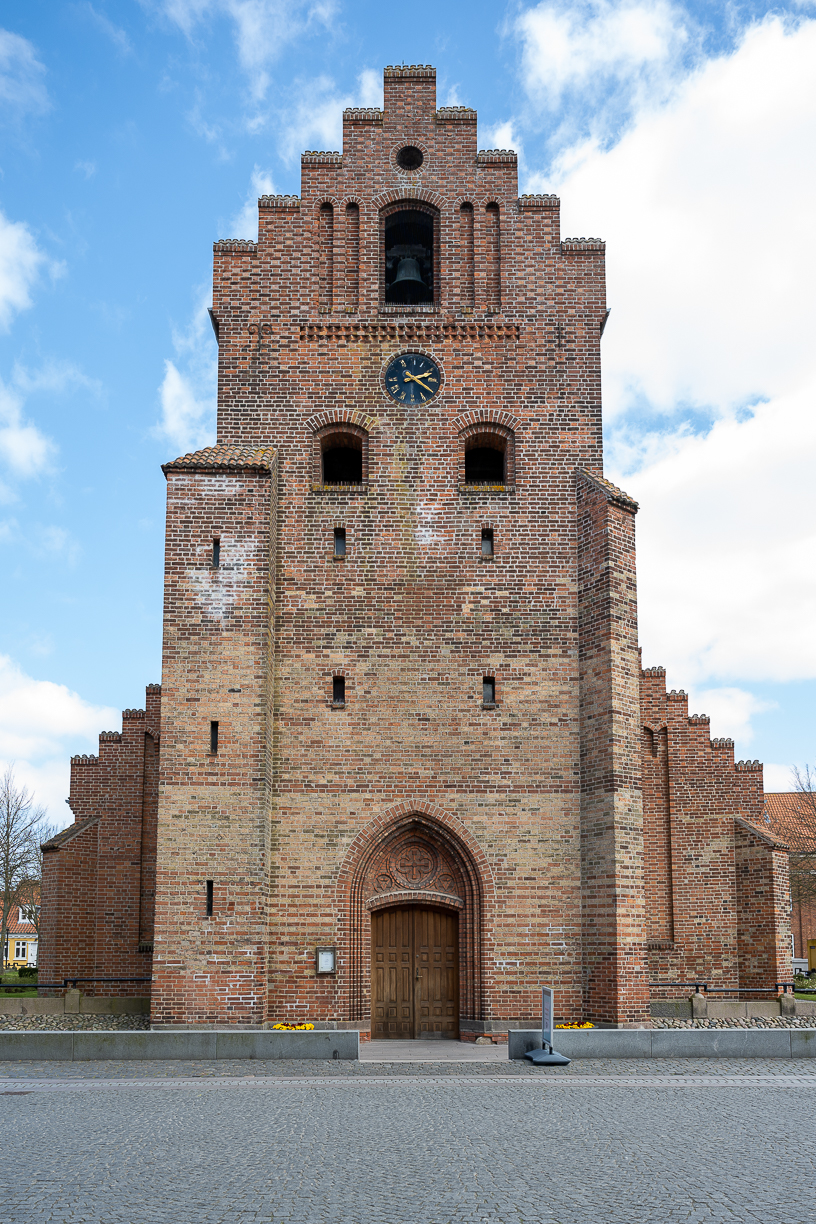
{"points": [[412, 865]]}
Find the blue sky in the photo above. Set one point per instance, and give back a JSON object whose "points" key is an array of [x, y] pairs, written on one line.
{"points": [[133, 134]]}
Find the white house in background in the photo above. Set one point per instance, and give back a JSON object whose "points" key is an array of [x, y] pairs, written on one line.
{"points": [[21, 943]]}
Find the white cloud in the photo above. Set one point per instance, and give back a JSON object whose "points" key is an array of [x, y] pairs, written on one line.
{"points": [[709, 368], [23, 448], [245, 223], [115, 33], [601, 56], [188, 393], [21, 262], [41, 725], [263, 28], [730, 711], [88, 168], [706, 206], [777, 777], [22, 85], [314, 120], [726, 540]]}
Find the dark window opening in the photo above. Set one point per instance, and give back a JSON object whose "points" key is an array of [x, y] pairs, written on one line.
{"points": [[487, 542], [213, 737], [338, 690], [488, 690], [484, 465], [216, 554], [209, 898], [409, 245], [339, 541], [410, 158], [343, 463]]}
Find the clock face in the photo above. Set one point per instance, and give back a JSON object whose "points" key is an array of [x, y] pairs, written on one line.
{"points": [[412, 378]]}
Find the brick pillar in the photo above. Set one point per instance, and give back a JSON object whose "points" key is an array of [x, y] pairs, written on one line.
{"points": [[615, 978], [213, 821]]}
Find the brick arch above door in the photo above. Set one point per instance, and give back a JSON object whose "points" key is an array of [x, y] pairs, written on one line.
{"points": [[414, 854]]}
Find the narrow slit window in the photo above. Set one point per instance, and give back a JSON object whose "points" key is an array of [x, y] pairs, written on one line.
{"points": [[213, 737], [339, 541], [209, 898], [338, 690], [487, 542], [488, 690], [216, 553]]}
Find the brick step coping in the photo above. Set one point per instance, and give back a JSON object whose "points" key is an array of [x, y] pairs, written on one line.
{"points": [[671, 1043]]}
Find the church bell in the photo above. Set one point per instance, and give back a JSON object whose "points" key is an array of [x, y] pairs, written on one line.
{"points": [[408, 270]]}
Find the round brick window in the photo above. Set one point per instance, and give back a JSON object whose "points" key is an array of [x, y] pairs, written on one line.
{"points": [[410, 158]]}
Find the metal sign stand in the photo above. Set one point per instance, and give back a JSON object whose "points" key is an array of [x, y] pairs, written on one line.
{"points": [[546, 1057]]}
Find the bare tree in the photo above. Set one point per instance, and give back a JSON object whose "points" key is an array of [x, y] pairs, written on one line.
{"points": [[30, 890], [19, 818], [802, 840]]}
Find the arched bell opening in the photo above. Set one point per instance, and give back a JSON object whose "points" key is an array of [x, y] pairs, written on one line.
{"points": [[410, 240]]}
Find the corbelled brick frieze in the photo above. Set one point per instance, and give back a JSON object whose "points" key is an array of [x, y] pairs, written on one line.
{"points": [[402, 716]]}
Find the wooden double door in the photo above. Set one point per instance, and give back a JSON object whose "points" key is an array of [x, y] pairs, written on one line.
{"points": [[414, 973]]}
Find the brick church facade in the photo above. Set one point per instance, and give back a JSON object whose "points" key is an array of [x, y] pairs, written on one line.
{"points": [[404, 766]]}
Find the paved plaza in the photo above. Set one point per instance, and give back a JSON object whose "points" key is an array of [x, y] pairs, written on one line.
{"points": [[404, 1142]]}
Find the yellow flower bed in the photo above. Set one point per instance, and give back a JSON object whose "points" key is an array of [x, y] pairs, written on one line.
{"points": [[293, 1028], [586, 1024]]}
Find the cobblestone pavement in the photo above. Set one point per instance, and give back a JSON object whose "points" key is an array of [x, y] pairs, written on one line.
{"points": [[599, 1142]]}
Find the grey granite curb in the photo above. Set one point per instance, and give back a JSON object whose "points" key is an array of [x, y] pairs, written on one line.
{"points": [[81, 1046], [670, 1043]]}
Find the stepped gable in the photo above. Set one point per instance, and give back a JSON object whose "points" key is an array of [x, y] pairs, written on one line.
{"points": [[224, 458]]}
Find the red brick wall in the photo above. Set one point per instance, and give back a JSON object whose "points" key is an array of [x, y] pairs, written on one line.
{"points": [[763, 906], [99, 873], [717, 907]]}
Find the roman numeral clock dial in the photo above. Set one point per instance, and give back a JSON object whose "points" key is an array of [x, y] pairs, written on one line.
{"points": [[412, 379]]}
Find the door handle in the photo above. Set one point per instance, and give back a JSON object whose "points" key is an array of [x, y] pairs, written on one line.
{"points": [[418, 973]]}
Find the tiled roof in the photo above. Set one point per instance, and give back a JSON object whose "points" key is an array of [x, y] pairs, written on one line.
{"points": [[224, 458], [792, 816], [612, 491], [67, 834], [765, 834]]}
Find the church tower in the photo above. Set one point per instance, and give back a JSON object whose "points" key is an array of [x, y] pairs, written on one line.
{"points": [[400, 739]]}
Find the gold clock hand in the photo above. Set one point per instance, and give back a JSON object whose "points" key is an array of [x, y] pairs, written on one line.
{"points": [[417, 378]]}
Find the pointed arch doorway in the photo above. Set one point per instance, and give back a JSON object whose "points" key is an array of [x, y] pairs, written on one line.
{"points": [[415, 973]]}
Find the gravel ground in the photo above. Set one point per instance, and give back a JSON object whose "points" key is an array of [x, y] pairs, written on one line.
{"points": [[752, 1022], [97, 1024], [102, 1024]]}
